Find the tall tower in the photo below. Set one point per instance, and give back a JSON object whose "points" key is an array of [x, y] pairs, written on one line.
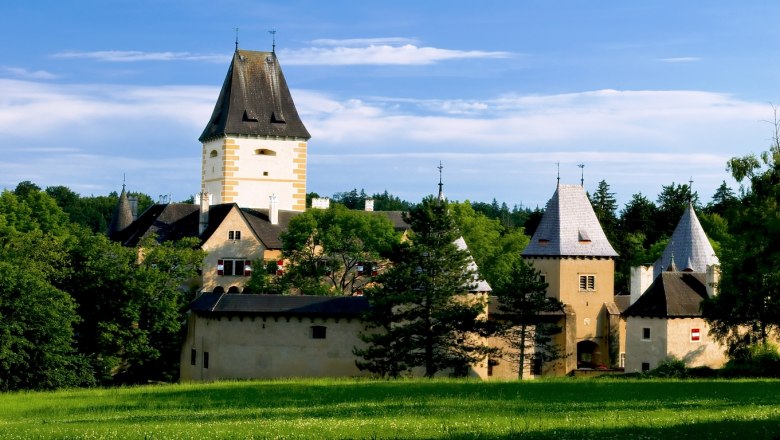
{"points": [[254, 145], [578, 263]]}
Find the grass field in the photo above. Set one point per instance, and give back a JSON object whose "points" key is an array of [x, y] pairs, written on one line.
{"points": [[592, 409]]}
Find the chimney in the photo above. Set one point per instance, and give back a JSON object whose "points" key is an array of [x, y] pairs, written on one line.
{"points": [[713, 278], [204, 212], [320, 203], [641, 279], [273, 210], [369, 204]]}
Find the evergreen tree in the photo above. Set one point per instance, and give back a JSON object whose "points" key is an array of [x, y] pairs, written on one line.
{"points": [[523, 300], [672, 202], [605, 207], [421, 312]]}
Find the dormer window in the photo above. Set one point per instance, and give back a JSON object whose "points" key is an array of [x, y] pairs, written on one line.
{"points": [[583, 236]]}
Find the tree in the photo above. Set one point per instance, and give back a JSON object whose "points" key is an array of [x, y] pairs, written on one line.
{"points": [[605, 207], [747, 307], [422, 314], [672, 202], [336, 249], [523, 301], [723, 200]]}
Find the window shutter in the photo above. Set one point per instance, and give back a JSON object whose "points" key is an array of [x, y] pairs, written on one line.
{"points": [[247, 268], [220, 267]]}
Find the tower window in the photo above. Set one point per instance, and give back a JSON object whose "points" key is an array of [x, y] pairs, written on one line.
{"points": [[213, 153], [265, 173], [646, 334], [318, 331], [265, 152], [587, 282], [234, 235]]}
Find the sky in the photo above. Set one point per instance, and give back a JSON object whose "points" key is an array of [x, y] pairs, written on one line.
{"points": [[504, 94]]}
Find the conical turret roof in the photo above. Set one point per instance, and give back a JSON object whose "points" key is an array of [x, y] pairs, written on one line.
{"points": [[569, 227], [122, 216], [688, 243], [255, 101]]}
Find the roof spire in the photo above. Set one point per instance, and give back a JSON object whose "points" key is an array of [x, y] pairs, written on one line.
{"points": [[559, 172], [690, 190], [273, 40], [441, 191], [123, 181], [582, 176], [236, 29]]}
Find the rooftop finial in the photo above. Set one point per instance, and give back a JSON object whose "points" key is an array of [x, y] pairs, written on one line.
{"points": [[558, 164], [582, 176], [123, 181], [441, 191], [273, 40], [690, 190], [236, 29]]}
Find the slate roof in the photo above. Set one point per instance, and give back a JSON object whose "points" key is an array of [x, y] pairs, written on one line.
{"points": [[255, 101], [569, 228], [480, 285], [225, 304], [689, 245], [396, 217], [672, 295], [122, 216], [175, 221]]}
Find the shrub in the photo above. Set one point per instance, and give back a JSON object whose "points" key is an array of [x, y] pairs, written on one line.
{"points": [[670, 367], [760, 360]]}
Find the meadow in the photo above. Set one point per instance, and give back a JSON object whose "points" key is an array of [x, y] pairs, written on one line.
{"points": [[450, 409]]}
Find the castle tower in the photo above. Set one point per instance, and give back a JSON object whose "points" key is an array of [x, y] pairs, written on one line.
{"points": [[122, 216], [689, 248], [578, 263], [254, 145]]}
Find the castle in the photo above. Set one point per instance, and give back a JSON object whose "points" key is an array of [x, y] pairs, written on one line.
{"points": [[253, 181]]}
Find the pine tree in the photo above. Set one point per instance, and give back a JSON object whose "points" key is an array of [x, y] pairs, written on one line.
{"points": [[421, 312], [523, 301]]}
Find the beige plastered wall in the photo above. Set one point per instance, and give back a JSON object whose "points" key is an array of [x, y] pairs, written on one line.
{"points": [[269, 347], [247, 171], [219, 247], [588, 319], [671, 338]]}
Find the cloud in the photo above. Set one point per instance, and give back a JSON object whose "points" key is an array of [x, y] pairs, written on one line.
{"points": [[381, 54], [680, 60], [126, 56], [29, 74], [351, 42]]}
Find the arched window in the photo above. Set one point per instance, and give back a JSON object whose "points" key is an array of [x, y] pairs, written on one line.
{"points": [[219, 289], [213, 153], [233, 289]]}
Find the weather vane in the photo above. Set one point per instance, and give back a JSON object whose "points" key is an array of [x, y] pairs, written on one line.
{"points": [[236, 29], [273, 40], [582, 176], [558, 164]]}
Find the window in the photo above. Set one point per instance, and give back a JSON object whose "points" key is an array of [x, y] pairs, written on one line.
{"points": [[213, 153], [234, 267], [265, 152], [193, 356], [234, 235], [318, 331], [646, 334], [695, 334], [543, 278], [205, 359], [587, 282], [645, 366]]}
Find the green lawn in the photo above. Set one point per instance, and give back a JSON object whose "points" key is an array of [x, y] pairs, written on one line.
{"points": [[596, 409]]}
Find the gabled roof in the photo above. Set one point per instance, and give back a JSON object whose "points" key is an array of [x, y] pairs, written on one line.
{"points": [[175, 221], [688, 245], [672, 295], [225, 304], [480, 285], [255, 101], [569, 227], [395, 217], [122, 216]]}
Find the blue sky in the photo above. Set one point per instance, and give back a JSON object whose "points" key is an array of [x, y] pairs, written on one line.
{"points": [[643, 93]]}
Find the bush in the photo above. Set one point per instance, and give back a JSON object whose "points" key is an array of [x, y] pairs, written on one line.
{"points": [[760, 360], [670, 367]]}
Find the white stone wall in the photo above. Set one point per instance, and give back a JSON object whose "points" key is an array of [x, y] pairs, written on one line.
{"points": [[638, 349]]}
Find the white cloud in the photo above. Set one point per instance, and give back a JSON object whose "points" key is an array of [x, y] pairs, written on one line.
{"points": [[680, 60], [363, 41], [29, 74], [381, 54], [135, 56]]}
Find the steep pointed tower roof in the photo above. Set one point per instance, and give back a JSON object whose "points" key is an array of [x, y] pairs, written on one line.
{"points": [[688, 243], [122, 216], [255, 101], [569, 228]]}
